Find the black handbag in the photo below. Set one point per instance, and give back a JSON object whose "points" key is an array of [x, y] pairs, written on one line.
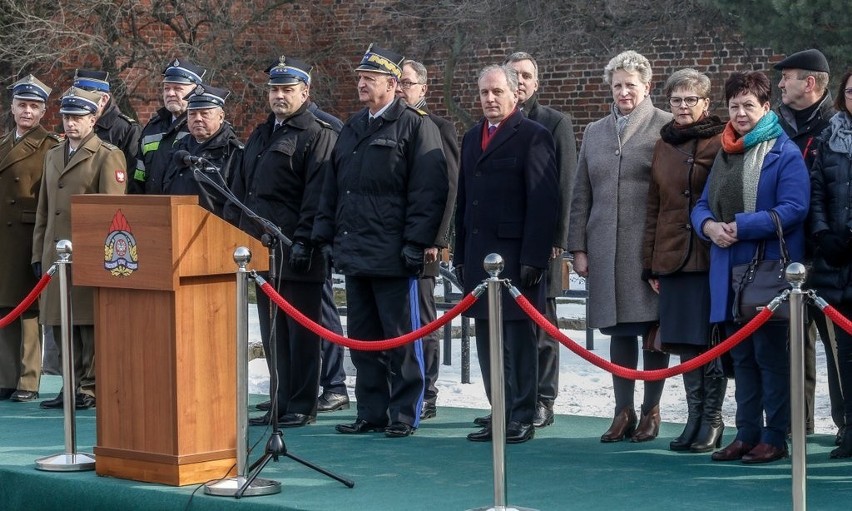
{"points": [[757, 282]]}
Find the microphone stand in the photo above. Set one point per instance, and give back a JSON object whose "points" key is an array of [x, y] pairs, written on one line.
{"points": [[271, 238]]}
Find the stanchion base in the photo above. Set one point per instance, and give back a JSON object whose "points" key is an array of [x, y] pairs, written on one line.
{"points": [[65, 462], [230, 486], [502, 508]]}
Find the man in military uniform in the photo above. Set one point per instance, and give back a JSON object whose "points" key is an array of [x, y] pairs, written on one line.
{"points": [[281, 180], [382, 206], [165, 128], [211, 138], [21, 163], [83, 164], [412, 88], [562, 130], [112, 126]]}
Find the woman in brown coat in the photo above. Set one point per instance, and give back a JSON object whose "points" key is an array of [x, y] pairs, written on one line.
{"points": [[676, 260], [83, 164]]}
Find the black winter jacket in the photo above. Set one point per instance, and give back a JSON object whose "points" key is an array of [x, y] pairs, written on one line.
{"points": [[159, 138]]}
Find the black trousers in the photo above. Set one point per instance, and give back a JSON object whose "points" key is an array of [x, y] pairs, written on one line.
{"points": [[297, 348], [332, 374], [389, 384], [432, 342], [817, 322], [548, 357], [520, 358]]}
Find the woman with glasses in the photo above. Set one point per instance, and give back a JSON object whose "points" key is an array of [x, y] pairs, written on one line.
{"points": [[606, 230], [831, 225], [758, 174], [676, 260]]}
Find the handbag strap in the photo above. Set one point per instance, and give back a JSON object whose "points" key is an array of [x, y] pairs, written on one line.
{"points": [[779, 231]]}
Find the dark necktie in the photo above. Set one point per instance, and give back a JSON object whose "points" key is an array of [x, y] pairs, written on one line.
{"points": [[491, 130], [277, 126]]}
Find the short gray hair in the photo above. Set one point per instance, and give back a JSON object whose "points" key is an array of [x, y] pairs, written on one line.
{"points": [[688, 78], [631, 62], [511, 75], [419, 69], [820, 78], [522, 55]]}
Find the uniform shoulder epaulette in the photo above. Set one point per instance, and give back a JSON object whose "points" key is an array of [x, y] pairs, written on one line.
{"points": [[56, 137], [421, 112], [323, 123], [236, 143], [109, 146], [127, 118]]}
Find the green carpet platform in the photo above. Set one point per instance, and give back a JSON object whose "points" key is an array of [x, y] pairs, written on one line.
{"points": [[564, 468]]}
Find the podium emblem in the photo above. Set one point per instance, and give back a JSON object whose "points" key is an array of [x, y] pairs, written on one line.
{"points": [[120, 257]]}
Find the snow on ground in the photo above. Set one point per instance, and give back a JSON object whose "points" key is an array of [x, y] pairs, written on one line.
{"points": [[584, 389]]}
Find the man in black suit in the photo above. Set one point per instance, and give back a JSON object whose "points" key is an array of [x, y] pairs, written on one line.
{"points": [[562, 130], [412, 88], [507, 194]]}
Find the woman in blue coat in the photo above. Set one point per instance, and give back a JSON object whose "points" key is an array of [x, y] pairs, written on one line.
{"points": [[758, 169]]}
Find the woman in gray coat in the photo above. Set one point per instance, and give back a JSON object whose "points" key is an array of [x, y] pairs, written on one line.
{"points": [[606, 231]]}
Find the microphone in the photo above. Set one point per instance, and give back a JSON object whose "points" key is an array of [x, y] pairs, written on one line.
{"points": [[182, 158]]}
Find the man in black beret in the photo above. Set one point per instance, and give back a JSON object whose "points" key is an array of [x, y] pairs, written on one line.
{"points": [[804, 112], [382, 205]]}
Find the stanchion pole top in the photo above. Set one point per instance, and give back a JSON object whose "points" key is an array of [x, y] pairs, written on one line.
{"points": [[63, 249], [242, 256], [796, 273], [493, 265]]}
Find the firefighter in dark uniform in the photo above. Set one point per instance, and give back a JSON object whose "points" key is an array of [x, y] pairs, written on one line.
{"points": [[112, 126], [165, 129], [211, 138], [412, 88], [281, 180], [382, 205], [22, 153]]}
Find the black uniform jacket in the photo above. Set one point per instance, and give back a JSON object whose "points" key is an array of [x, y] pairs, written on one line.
{"points": [[159, 138], [281, 179], [121, 131], [387, 188], [507, 201]]}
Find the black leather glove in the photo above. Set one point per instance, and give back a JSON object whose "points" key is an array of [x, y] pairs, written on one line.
{"points": [[328, 256], [37, 270], [530, 276], [412, 258], [300, 257], [459, 271], [835, 249]]}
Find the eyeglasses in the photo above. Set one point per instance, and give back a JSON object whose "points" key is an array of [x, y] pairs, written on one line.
{"points": [[405, 84], [690, 101], [848, 93]]}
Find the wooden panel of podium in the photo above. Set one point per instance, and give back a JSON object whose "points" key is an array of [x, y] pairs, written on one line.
{"points": [[165, 330]]}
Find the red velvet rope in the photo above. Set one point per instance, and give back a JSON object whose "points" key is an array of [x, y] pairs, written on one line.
{"points": [[377, 345], [633, 374], [838, 318], [28, 300]]}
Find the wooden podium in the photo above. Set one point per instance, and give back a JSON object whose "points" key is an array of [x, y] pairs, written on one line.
{"points": [[165, 333]]}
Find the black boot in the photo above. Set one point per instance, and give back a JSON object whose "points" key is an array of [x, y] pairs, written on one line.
{"points": [[845, 449], [712, 426], [693, 384]]}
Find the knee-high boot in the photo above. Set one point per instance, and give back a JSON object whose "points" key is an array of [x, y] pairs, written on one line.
{"points": [[712, 426], [693, 383]]}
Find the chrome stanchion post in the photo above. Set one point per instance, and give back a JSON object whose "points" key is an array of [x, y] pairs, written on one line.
{"points": [[70, 460], [795, 275], [228, 487], [493, 265]]}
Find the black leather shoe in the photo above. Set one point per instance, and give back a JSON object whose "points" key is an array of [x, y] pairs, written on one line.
{"points": [[56, 402], [733, 452], [264, 406], [295, 420], [332, 401], [764, 453], [6, 394], [84, 401], [518, 432], [543, 415], [358, 427], [483, 422], [483, 435], [24, 396], [263, 420], [429, 411], [399, 430]]}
